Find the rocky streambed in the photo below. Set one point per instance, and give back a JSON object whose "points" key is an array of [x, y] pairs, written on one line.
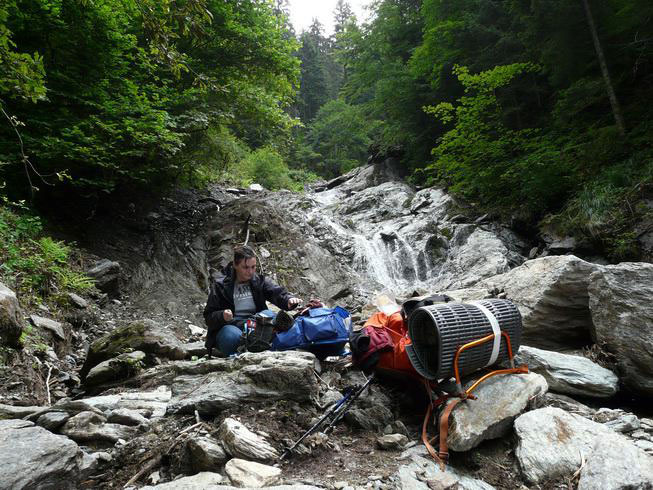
{"points": [[117, 393]]}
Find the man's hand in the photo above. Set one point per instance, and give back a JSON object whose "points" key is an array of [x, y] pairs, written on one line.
{"points": [[294, 303], [227, 315]]}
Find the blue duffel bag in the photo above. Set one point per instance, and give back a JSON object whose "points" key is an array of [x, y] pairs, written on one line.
{"points": [[322, 331]]}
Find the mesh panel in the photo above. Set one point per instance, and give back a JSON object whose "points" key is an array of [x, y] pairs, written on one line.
{"points": [[438, 331]]}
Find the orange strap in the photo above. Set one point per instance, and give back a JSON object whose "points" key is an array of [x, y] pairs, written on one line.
{"points": [[442, 456]]}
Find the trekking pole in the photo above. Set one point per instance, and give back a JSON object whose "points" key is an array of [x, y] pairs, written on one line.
{"points": [[338, 410], [345, 406]]}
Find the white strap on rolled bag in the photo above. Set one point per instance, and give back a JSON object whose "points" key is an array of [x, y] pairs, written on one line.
{"points": [[496, 346]]}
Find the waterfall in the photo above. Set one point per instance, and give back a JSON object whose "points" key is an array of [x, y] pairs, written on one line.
{"points": [[385, 256]]}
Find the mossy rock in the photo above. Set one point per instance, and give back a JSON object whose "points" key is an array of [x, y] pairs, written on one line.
{"points": [[120, 367], [143, 335]]}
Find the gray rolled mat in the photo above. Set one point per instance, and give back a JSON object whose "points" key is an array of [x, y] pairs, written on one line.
{"points": [[438, 331]]}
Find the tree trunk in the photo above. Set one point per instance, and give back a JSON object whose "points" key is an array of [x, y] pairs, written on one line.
{"points": [[616, 108]]}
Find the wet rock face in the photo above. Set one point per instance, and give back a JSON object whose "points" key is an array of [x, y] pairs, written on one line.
{"points": [[622, 313], [10, 314], [364, 233], [32, 457]]}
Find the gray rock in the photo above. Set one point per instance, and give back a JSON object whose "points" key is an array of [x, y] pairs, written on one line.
{"points": [[252, 377], [616, 464], [240, 442], [53, 326], [618, 420], [500, 400], [568, 405], [244, 473], [69, 407], [551, 294], [373, 418], [474, 256], [120, 367], [143, 335], [10, 317], [125, 416], [147, 403], [106, 274], [16, 412], [620, 302], [52, 420], [645, 445], [392, 441], [89, 427], [32, 457], [202, 481], [553, 443], [573, 375], [422, 473], [78, 301], [206, 454], [195, 349]]}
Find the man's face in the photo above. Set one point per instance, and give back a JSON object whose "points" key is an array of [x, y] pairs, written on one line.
{"points": [[245, 269]]}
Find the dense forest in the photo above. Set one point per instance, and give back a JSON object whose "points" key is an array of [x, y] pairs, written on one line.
{"points": [[535, 110]]}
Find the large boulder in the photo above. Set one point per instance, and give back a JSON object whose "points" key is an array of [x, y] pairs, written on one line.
{"points": [[572, 375], [10, 317], [622, 313], [144, 335], [251, 378], [500, 399], [616, 464], [32, 457], [551, 294], [554, 443]]}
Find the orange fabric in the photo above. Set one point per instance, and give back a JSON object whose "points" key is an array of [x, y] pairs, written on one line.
{"points": [[397, 359]]}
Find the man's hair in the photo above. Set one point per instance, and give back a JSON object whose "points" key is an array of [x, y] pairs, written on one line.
{"points": [[243, 253]]}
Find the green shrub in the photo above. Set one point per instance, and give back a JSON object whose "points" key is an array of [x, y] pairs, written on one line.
{"points": [[266, 167], [33, 263]]}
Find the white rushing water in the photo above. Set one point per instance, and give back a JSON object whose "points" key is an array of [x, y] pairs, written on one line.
{"points": [[380, 250]]}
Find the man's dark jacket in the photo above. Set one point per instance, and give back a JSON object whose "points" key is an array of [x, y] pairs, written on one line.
{"points": [[222, 298]]}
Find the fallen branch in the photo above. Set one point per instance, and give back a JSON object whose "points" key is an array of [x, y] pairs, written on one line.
{"points": [[154, 462], [47, 382]]}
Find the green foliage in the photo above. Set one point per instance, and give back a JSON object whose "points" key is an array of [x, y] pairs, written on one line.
{"points": [[266, 167], [482, 158], [340, 135], [33, 263], [131, 83], [23, 74], [605, 212]]}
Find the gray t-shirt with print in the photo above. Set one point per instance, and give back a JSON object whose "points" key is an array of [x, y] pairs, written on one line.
{"points": [[243, 302]]}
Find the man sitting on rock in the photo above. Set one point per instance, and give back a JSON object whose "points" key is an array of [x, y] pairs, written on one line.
{"points": [[237, 296]]}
